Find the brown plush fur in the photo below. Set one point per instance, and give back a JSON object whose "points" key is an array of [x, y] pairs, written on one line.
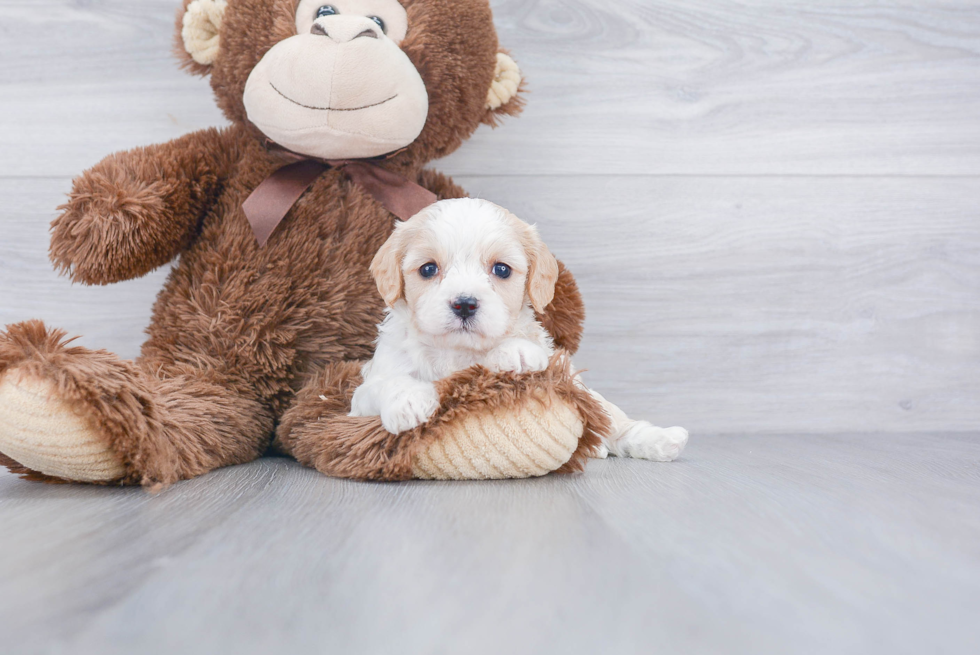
{"points": [[318, 432], [239, 330], [165, 428]]}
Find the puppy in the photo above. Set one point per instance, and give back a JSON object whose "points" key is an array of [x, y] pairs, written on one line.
{"points": [[462, 280]]}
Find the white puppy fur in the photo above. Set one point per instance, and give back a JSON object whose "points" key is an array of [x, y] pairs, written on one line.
{"points": [[462, 281]]}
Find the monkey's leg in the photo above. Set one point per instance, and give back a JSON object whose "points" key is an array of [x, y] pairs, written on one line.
{"points": [[488, 426], [78, 415], [317, 432]]}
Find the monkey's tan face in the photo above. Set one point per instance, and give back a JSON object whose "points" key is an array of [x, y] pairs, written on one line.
{"points": [[341, 88]]}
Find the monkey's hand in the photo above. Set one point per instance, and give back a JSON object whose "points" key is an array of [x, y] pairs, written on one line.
{"points": [[136, 210]]}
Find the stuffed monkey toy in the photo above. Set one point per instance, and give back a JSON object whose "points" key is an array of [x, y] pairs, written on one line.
{"points": [[335, 107]]}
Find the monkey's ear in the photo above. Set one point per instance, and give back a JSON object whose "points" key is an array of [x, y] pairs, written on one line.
{"points": [[200, 29], [387, 269], [505, 95]]}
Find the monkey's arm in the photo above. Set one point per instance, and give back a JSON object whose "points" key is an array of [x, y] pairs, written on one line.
{"points": [[564, 317], [135, 211]]}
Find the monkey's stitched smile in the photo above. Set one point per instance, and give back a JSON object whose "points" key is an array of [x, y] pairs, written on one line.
{"points": [[330, 108]]}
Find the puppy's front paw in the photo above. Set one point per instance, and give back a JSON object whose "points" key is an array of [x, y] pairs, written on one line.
{"points": [[645, 441], [519, 356], [409, 408]]}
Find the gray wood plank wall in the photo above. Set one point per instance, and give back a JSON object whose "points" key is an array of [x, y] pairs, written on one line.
{"points": [[772, 207]]}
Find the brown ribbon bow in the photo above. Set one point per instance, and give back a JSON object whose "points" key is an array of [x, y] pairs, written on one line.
{"points": [[269, 203]]}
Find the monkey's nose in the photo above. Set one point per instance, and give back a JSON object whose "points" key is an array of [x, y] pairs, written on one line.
{"points": [[342, 30], [465, 306]]}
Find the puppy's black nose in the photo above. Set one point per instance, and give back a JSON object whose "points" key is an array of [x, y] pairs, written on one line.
{"points": [[465, 306]]}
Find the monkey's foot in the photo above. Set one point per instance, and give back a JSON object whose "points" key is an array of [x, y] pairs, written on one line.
{"points": [[42, 433]]}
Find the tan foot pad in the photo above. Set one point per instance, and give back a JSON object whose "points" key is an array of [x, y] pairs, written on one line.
{"points": [[42, 433], [527, 442]]}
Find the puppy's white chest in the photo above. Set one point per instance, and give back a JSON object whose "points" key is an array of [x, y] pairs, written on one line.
{"points": [[437, 363]]}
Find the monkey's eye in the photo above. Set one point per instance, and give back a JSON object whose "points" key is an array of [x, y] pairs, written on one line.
{"points": [[381, 23], [428, 270], [326, 10], [501, 270]]}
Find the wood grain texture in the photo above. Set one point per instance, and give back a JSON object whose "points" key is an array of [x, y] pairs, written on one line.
{"points": [[745, 545], [772, 209], [112, 317], [79, 80], [771, 304], [720, 304], [735, 88], [621, 86]]}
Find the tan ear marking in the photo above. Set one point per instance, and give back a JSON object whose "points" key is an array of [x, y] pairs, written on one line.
{"points": [[386, 267], [542, 275], [201, 29], [506, 80]]}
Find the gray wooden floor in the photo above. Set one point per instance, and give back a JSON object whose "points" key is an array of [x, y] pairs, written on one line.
{"points": [[753, 544], [773, 209]]}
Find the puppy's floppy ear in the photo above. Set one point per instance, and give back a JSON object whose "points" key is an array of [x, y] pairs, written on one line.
{"points": [[387, 269], [542, 272]]}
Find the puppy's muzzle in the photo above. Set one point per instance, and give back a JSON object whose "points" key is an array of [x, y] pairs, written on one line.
{"points": [[465, 306]]}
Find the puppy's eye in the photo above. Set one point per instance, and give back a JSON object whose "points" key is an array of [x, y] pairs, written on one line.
{"points": [[501, 270], [326, 10], [381, 23], [428, 270]]}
